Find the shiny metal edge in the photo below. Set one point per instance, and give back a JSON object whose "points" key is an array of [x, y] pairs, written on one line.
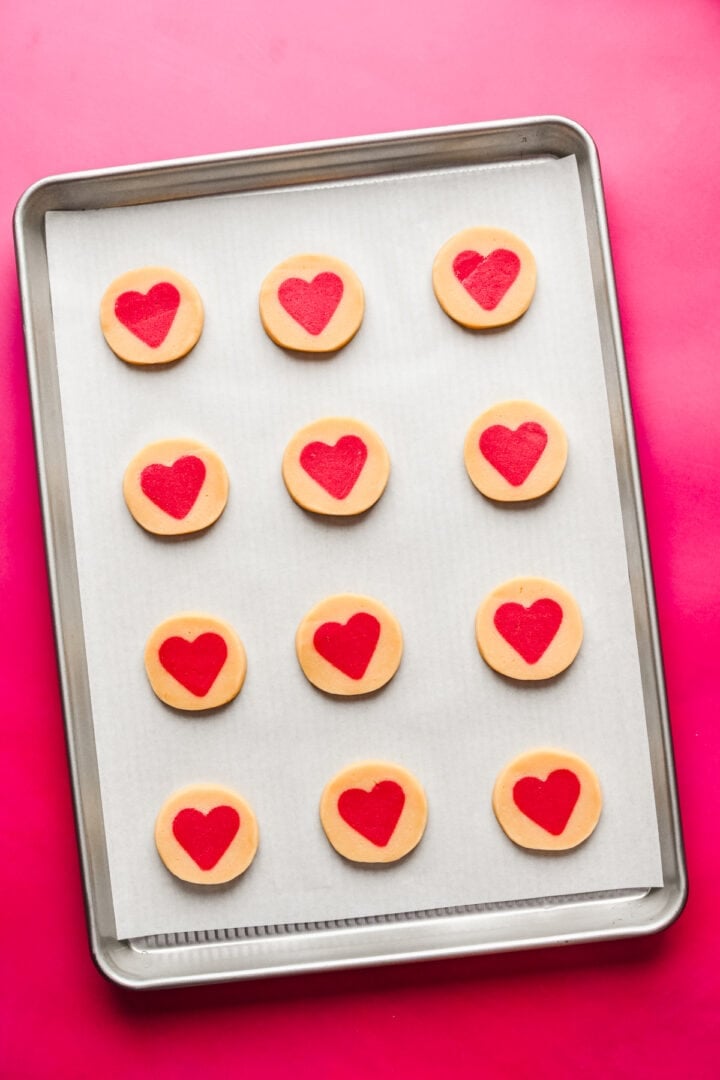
{"points": [[407, 936]]}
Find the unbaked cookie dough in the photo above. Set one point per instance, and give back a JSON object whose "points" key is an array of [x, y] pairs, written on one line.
{"points": [[349, 645], [374, 812], [484, 277], [151, 316], [529, 628], [206, 834], [336, 466], [548, 800], [312, 303], [515, 451], [195, 662], [175, 486]]}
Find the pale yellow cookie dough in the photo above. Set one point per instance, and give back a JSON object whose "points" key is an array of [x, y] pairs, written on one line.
{"points": [[312, 303], [547, 800], [175, 486], [336, 466], [195, 662], [349, 645], [529, 628], [151, 316], [206, 834], [515, 451], [374, 812], [484, 277]]}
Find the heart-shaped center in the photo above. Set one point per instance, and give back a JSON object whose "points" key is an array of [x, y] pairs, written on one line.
{"points": [[194, 664], [349, 647], [374, 814], [486, 277], [549, 803], [514, 454], [529, 630], [206, 837], [312, 304], [174, 488], [150, 315], [335, 468]]}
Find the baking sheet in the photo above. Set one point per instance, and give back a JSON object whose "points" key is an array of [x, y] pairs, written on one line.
{"points": [[431, 549]]}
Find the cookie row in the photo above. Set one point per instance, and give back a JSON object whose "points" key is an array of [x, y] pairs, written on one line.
{"points": [[376, 812], [526, 628], [515, 451], [482, 277]]}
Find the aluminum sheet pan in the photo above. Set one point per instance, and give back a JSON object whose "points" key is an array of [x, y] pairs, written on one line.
{"points": [[201, 954]]}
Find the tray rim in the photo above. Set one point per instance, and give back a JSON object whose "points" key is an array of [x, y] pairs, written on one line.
{"points": [[660, 906]]}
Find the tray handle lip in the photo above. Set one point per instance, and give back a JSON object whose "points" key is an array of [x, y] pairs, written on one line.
{"points": [[103, 950], [37, 199]]}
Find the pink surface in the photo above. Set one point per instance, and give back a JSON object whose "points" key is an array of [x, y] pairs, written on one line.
{"points": [[89, 85]]}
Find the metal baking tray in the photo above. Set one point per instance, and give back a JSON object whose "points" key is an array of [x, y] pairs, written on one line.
{"points": [[254, 951]]}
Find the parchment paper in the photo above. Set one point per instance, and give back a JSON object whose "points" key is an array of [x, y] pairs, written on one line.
{"points": [[431, 549]]}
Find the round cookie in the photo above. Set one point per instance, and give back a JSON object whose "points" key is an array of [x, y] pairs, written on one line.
{"points": [[175, 486], [515, 451], [195, 662], [151, 316], [206, 834], [484, 277], [547, 800], [529, 628], [373, 812], [349, 645], [312, 303], [336, 466]]}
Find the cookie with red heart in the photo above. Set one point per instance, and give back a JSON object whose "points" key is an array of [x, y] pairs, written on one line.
{"points": [[349, 645], [515, 451], [547, 800], [337, 466], [195, 662], [374, 812], [529, 628], [176, 486], [206, 834], [151, 316], [484, 277], [312, 303]]}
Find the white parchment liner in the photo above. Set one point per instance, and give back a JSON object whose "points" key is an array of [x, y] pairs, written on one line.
{"points": [[431, 549]]}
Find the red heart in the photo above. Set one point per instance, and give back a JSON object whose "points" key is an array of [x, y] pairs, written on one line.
{"points": [[549, 803], [149, 316], [206, 837], [529, 630], [349, 648], [514, 453], [335, 468], [486, 277], [174, 488], [374, 814], [312, 303], [194, 664]]}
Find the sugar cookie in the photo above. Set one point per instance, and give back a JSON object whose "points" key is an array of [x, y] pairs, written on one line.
{"points": [[349, 645], [515, 451], [529, 628], [175, 486], [312, 303], [484, 277], [548, 800], [151, 316], [195, 662], [336, 466], [374, 812], [206, 834]]}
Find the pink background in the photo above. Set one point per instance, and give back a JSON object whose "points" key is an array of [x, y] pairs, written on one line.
{"points": [[88, 85]]}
